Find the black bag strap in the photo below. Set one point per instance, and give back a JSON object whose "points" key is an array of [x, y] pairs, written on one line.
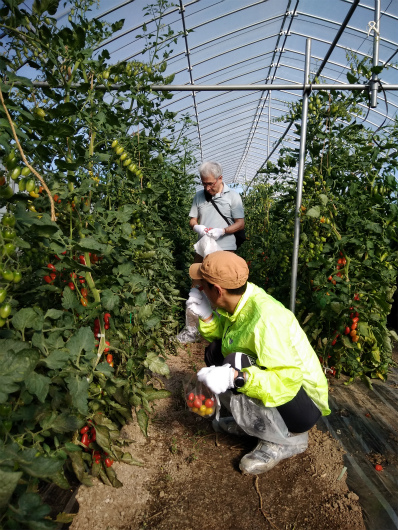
{"points": [[223, 216]]}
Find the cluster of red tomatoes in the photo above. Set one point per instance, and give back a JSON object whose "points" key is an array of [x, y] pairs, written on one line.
{"points": [[89, 435], [201, 405], [97, 334], [352, 329], [341, 263]]}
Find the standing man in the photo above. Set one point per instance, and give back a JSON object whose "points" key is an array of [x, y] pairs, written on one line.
{"points": [[205, 219], [259, 361]]}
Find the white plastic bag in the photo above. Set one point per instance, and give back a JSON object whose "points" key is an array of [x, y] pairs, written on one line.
{"points": [[206, 245]]}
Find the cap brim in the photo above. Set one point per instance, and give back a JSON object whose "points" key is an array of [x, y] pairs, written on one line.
{"points": [[194, 271]]}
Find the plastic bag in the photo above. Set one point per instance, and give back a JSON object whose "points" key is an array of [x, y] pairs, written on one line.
{"points": [[206, 245], [263, 422], [199, 398]]}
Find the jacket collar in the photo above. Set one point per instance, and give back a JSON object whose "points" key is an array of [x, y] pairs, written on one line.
{"points": [[241, 304]]}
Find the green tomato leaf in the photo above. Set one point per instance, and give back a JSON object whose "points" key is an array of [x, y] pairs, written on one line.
{"points": [[8, 483], [78, 388], [38, 385], [315, 211], [143, 420], [109, 299], [156, 364]]}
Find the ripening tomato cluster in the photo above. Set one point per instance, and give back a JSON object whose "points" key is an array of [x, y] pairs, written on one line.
{"points": [[97, 457], [352, 329], [201, 405], [88, 435], [341, 263]]}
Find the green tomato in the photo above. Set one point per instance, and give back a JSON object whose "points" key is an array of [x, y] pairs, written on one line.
{"points": [[3, 294], [5, 310], [9, 233], [8, 275], [11, 164], [15, 173], [8, 220], [119, 150], [2, 322], [30, 185], [17, 276], [9, 249], [114, 144], [6, 192], [5, 409], [6, 426], [22, 185], [25, 171]]}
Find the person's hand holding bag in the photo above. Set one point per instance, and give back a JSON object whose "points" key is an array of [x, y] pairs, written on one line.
{"points": [[216, 233], [200, 229], [199, 304], [217, 378]]}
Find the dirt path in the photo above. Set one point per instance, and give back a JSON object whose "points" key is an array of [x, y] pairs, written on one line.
{"points": [[191, 480]]}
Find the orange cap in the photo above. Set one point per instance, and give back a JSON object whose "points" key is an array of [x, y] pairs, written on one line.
{"points": [[226, 269]]}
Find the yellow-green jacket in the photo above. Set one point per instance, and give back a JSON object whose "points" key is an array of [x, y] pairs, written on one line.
{"points": [[264, 329]]}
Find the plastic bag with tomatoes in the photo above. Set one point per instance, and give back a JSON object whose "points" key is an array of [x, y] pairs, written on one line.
{"points": [[199, 398]]}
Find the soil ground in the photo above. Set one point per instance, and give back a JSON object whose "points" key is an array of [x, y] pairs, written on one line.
{"points": [[190, 479]]}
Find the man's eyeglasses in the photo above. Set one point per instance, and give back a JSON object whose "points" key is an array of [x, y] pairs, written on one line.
{"points": [[210, 184]]}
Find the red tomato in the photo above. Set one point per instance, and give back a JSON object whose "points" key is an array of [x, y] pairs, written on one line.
{"points": [[82, 280], [85, 439], [355, 319], [201, 397], [84, 292], [107, 316], [333, 342], [71, 286], [347, 330], [83, 430], [330, 278], [197, 403], [353, 333], [108, 462], [108, 343], [354, 325], [47, 279], [209, 403], [51, 266], [73, 275], [191, 396], [84, 302], [109, 358], [378, 467], [93, 434], [53, 275], [82, 260], [106, 326], [190, 403]]}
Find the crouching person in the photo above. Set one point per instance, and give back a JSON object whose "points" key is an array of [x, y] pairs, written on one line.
{"points": [[260, 362]]}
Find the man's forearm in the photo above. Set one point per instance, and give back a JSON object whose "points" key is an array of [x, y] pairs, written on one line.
{"points": [[239, 224]]}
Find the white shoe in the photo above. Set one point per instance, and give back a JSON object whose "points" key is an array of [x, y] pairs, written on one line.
{"points": [[188, 335], [266, 455]]}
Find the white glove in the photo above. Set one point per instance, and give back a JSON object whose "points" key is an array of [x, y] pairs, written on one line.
{"points": [[199, 304], [216, 233], [200, 229], [217, 378]]}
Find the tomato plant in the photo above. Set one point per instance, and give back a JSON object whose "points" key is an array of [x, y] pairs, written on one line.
{"points": [[115, 232]]}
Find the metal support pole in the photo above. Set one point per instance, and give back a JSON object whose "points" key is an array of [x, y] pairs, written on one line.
{"points": [[376, 42], [303, 136], [269, 121]]}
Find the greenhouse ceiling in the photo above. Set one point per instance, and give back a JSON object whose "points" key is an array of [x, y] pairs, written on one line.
{"points": [[258, 42]]}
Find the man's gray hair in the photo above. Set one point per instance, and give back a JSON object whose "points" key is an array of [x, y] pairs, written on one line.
{"points": [[208, 169]]}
